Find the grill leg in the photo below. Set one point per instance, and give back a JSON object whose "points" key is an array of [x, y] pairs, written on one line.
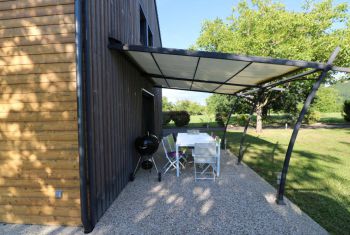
{"points": [[159, 173], [132, 175], [154, 163]]}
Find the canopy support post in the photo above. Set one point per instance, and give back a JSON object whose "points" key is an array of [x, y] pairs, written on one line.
{"points": [[257, 99], [223, 142], [281, 189]]}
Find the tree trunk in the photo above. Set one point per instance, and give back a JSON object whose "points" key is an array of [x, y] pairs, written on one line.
{"points": [[259, 126]]}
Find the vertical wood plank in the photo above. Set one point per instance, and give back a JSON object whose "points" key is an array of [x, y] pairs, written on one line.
{"points": [[116, 93]]}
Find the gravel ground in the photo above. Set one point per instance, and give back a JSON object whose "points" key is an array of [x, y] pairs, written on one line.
{"points": [[239, 202]]}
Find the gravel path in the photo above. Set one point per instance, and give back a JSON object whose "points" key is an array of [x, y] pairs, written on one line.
{"points": [[239, 202]]}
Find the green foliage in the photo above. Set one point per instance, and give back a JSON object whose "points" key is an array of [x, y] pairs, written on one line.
{"points": [[343, 89], [192, 107], [312, 116], [327, 100], [288, 100], [222, 105], [346, 110], [221, 119], [180, 118], [167, 105], [242, 119], [266, 28], [206, 117], [166, 118]]}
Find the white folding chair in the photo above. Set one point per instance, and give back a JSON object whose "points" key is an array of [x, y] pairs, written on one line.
{"points": [[206, 157], [218, 153], [172, 146], [170, 156], [171, 142]]}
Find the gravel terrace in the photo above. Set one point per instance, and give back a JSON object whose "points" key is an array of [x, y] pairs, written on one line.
{"points": [[239, 202]]}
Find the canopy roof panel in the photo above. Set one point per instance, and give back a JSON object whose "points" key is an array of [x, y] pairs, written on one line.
{"points": [[209, 71]]}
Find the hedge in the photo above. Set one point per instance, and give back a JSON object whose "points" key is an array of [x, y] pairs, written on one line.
{"points": [[180, 118], [166, 118]]}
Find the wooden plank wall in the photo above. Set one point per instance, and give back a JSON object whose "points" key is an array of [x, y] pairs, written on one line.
{"points": [[38, 116], [116, 96]]}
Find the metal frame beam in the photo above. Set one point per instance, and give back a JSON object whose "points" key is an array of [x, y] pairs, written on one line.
{"points": [[291, 79], [184, 89], [227, 122], [234, 75], [311, 96], [160, 70], [195, 72], [297, 77], [257, 99], [203, 81], [114, 45]]}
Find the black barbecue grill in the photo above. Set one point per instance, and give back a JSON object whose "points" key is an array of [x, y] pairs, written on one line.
{"points": [[146, 146]]}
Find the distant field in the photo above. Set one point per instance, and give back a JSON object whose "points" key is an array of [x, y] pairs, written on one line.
{"points": [[274, 120], [332, 118], [199, 121]]}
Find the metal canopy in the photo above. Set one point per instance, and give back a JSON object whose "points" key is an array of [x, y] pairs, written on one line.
{"points": [[228, 74], [212, 72]]}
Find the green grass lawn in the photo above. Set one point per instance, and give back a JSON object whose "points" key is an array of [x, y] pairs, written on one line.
{"points": [[198, 121], [331, 118], [318, 180], [273, 120]]}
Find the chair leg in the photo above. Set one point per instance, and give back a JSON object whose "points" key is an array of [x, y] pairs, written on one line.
{"points": [[155, 165], [205, 169], [168, 168], [169, 165], [166, 165], [182, 165], [195, 172], [210, 175]]}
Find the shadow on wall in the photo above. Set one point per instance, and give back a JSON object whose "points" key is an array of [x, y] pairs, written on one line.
{"points": [[38, 115]]}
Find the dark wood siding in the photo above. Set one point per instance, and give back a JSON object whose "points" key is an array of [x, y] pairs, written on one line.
{"points": [[116, 96]]}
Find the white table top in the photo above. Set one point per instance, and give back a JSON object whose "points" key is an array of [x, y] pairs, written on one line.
{"points": [[185, 139]]}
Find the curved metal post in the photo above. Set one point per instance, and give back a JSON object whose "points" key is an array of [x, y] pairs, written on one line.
{"points": [[223, 141], [279, 199], [240, 154]]}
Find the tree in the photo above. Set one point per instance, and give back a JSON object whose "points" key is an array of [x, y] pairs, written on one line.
{"points": [[343, 88], [192, 107], [266, 28], [182, 105], [222, 104], [196, 109], [327, 100], [166, 105]]}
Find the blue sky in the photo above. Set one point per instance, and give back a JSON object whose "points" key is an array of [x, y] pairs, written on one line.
{"points": [[180, 25]]}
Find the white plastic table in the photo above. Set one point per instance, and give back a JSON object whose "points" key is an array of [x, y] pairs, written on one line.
{"points": [[188, 140]]}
